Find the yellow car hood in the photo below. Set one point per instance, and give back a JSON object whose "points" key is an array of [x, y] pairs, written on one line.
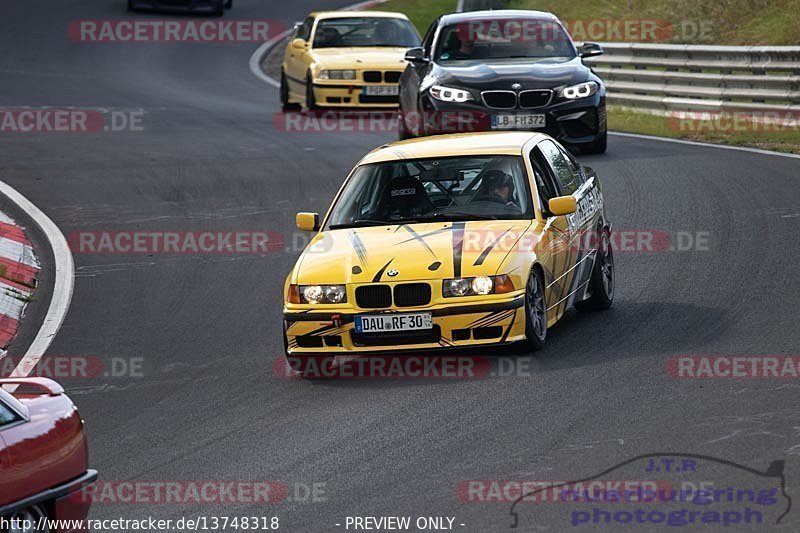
{"points": [[415, 251], [360, 58]]}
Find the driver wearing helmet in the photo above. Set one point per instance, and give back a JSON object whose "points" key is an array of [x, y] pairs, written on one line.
{"points": [[498, 186]]}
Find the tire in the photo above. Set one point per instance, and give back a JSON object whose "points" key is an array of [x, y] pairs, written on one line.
{"points": [[284, 91], [403, 133], [29, 515], [131, 7], [220, 9], [311, 102], [535, 312], [229, 4], [601, 283], [599, 146]]}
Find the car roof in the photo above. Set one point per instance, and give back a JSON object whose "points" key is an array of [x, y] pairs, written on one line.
{"points": [[495, 14], [456, 144], [350, 14]]}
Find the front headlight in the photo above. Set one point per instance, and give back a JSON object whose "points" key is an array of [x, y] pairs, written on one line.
{"points": [[319, 294], [449, 94], [336, 75], [476, 286], [582, 90]]}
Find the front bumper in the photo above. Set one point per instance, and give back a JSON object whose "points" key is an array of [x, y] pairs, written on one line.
{"points": [[573, 122], [352, 95], [454, 326]]}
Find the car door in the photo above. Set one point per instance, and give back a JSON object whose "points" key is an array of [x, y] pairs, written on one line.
{"points": [[296, 60], [569, 263]]}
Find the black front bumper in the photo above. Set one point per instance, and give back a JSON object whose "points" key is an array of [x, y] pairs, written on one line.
{"points": [[573, 122], [181, 6]]}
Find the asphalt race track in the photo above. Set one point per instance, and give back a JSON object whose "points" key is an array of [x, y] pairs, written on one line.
{"points": [[208, 405]]}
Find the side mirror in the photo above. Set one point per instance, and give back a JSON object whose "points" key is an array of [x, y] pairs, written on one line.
{"points": [[416, 55], [562, 205], [590, 49], [307, 221], [299, 44]]}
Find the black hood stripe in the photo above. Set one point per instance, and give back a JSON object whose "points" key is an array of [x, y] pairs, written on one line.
{"points": [[380, 272], [481, 258], [458, 247], [417, 237], [358, 246]]}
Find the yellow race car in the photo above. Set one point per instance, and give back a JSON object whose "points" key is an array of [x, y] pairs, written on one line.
{"points": [[346, 59], [448, 242]]}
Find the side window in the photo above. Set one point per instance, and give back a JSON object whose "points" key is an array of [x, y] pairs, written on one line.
{"points": [[567, 179], [7, 416], [544, 183], [427, 42], [573, 165], [304, 31]]}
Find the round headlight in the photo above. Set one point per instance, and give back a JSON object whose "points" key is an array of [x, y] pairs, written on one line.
{"points": [[334, 294], [312, 294], [459, 287], [482, 285]]}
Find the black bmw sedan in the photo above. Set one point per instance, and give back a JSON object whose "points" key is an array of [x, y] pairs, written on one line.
{"points": [[503, 70]]}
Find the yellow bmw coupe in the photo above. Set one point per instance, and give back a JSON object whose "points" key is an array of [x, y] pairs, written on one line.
{"points": [[346, 59], [448, 242]]}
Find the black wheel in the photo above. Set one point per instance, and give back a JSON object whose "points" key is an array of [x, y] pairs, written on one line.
{"points": [[535, 312], [599, 146], [229, 4], [601, 284], [284, 90], [311, 102], [403, 132], [219, 9], [131, 7], [27, 520]]}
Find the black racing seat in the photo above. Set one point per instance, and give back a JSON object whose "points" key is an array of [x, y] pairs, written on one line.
{"points": [[404, 197]]}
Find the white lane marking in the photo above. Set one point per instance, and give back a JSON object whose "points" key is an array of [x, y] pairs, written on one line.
{"points": [[706, 145], [62, 288], [264, 49]]}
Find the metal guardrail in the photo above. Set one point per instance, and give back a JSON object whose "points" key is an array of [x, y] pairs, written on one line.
{"points": [[673, 77]]}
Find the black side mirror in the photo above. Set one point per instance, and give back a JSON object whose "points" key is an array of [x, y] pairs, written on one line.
{"points": [[590, 49], [416, 56]]}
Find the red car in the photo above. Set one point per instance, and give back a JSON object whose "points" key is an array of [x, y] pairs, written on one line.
{"points": [[43, 457]]}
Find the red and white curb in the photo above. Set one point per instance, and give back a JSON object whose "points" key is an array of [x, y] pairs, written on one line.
{"points": [[18, 272], [15, 242]]}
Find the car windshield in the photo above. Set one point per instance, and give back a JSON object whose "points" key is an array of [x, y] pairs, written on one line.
{"points": [[365, 31], [503, 39], [429, 190]]}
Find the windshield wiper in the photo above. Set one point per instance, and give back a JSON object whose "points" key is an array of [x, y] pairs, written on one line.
{"points": [[464, 215], [361, 222]]}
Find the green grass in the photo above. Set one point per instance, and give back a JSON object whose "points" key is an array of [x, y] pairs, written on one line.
{"points": [[733, 22], [627, 120], [421, 12]]}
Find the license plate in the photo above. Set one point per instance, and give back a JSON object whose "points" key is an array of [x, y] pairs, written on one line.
{"points": [[392, 323], [382, 90], [511, 122]]}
